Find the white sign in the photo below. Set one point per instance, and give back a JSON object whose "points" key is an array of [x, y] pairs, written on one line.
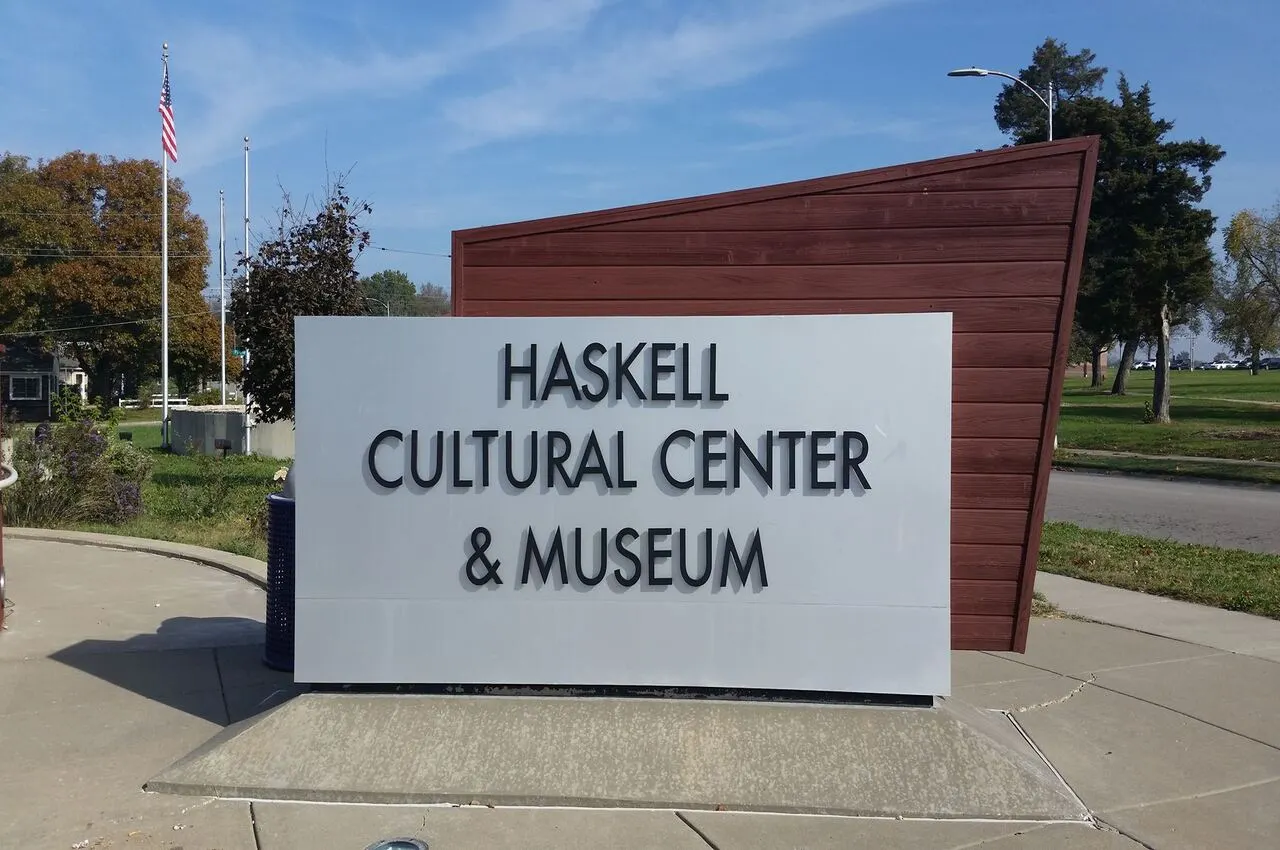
{"points": [[724, 502]]}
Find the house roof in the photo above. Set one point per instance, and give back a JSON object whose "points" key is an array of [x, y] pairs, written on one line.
{"points": [[24, 357]]}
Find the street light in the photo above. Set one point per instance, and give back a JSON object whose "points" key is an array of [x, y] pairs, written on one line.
{"points": [[983, 72], [383, 303]]}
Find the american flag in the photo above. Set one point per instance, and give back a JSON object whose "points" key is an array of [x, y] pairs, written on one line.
{"points": [[168, 135]]}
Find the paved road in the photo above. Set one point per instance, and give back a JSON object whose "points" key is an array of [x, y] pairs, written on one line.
{"points": [[1211, 514]]}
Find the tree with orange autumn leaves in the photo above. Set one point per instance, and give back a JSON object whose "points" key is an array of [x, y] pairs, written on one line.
{"points": [[80, 266]]}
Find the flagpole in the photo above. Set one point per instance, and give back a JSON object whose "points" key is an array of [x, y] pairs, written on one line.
{"points": [[248, 416], [222, 287], [164, 280]]}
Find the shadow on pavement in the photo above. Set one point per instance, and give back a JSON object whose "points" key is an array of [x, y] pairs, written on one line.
{"points": [[208, 667]]}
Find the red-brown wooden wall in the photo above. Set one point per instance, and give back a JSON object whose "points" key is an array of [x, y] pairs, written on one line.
{"points": [[996, 238]]}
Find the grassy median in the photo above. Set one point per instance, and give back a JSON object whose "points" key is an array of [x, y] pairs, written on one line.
{"points": [[1223, 578], [1227, 414]]}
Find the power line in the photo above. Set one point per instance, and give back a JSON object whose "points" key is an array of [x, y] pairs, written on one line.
{"points": [[99, 325], [76, 254], [117, 213], [405, 251]]}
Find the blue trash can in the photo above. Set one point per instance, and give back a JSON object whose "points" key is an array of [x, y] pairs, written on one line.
{"points": [[278, 654]]}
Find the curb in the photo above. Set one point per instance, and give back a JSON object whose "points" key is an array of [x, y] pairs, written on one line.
{"points": [[1151, 475], [250, 569]]}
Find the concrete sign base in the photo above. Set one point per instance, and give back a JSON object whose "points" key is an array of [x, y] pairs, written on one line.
{"points": [[950, 761]]}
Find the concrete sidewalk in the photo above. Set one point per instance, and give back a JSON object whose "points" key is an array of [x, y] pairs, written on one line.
{"points": [[115, 664]]}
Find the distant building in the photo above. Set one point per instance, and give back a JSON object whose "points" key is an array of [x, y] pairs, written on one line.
{"points": [[30, 377]]}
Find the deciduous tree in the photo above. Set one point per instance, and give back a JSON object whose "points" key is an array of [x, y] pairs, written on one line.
{"points": [[307, 269], [1246, 303], [391, 291], [80, 235], [432, 300]]}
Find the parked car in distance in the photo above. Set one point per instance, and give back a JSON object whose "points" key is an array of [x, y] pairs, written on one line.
{"points": [[1145, 364], [1224, 364]]}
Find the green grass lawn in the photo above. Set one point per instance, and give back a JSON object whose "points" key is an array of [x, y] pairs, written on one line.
{"points": [[1202, 383], [146, 414], [1202, 425], [201, 501], [1224, 578]]}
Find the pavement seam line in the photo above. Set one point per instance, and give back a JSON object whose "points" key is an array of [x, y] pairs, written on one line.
{"points": [[1045, 758], [1150, 702], [222, 687], [1189, 716], [1188, 797], [698, 832], [253, 825], [1034, 829], [1129, 835]]}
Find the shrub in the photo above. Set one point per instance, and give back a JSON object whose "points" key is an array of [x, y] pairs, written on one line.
{"points": [[259, 515], [70, 407], [72, 473], [145, 391], [205, 397]]}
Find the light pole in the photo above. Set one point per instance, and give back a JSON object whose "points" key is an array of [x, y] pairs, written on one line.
{"points": [[379, 301], [984, 72]]}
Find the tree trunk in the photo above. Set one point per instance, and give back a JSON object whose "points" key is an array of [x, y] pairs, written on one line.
{"points": [[1127, 354], [1099, 366], [100, 378], [1255, 362], [1160, 394]]}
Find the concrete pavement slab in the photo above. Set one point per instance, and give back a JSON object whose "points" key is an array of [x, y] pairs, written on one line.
{"points": [[1236, 692], [249, 569], [126, 731], [1020, 696], [1243, 819], [251, 700], [951, 761], [242, 665], [298, 826], [1230, 631], [1076, 648], [92, 599], [1117, 751], [1065, 837], [44, 811], [42, 684], [970, 667], [748, 831]]}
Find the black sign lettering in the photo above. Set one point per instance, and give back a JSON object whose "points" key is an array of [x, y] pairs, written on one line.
{"points": [[389, 434]]}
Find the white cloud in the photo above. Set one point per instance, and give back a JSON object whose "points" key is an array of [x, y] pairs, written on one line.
{"points": [[244, 82], [808, 122], [701, 51]]}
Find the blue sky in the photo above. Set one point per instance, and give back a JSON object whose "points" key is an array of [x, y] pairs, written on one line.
{"points": [[458, 114]]}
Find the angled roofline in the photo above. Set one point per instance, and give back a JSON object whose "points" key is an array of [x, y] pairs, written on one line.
{"points": [[832, 183]]}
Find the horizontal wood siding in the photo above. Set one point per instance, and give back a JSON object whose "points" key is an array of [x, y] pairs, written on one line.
{"points": [[1059, 172], [839, 210], [982, 631], [750, 283], [986, 237], [971, 315], [776, 247]]}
